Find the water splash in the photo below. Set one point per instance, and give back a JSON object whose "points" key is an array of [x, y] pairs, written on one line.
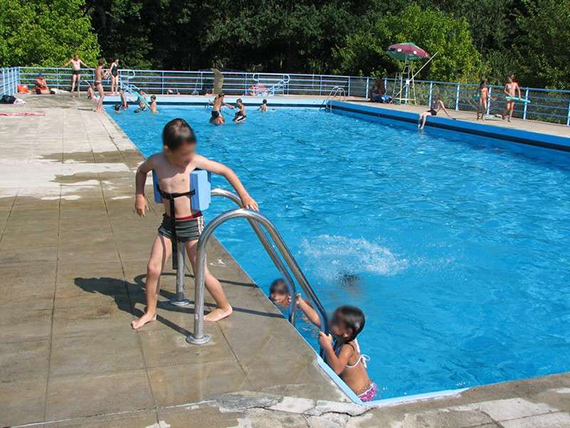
{"points": [[331, 256]]}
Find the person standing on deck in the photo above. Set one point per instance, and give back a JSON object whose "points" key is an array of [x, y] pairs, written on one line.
{"points": [[99, 76], [75, 71], [114, 72], [511, 88]]}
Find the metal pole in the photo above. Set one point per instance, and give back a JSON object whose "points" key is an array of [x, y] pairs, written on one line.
{"points": [[349, 86], [430, 94], [568, 119], [367, 87], [457, 98], [525, 104], [270, 251], [198, 337], [180, 299]]}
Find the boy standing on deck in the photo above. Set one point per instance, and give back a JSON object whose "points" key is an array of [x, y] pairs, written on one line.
{"points": [[173, 167]]}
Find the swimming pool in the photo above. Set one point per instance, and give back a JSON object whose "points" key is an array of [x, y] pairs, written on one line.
{"points": [[458, 244]]}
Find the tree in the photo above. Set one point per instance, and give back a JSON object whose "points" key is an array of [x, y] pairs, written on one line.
{"points": [[45, 33], [543, 50], [457, 58]]}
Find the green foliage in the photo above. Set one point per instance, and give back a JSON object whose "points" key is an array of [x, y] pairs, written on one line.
{"points": [[45, 33], [473, 38], [543, 50], [456, 59]]}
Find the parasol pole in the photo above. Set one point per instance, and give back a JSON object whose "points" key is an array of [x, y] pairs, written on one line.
{"points": [[413, 76]]}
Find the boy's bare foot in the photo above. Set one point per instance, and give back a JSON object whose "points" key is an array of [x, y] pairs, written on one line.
{"points": [[218, 314], [146, 318]]}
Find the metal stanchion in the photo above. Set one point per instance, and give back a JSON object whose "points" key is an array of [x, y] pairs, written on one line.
{"points": [[180, 299]]}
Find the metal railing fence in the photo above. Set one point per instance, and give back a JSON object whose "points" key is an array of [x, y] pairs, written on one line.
{"points": [[9, 79], [548, 105]]}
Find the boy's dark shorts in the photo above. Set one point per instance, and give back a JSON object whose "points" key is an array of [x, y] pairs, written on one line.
{"points": [[187, 229]]}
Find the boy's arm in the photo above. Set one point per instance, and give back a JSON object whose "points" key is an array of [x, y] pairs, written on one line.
{"points": [[67, 63], [141, 205], [229, 105], [308, 310], [337, 362], [228, 174]]}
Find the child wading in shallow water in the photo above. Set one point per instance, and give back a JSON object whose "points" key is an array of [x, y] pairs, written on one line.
{"points": [[173, 167], [341, 348]]}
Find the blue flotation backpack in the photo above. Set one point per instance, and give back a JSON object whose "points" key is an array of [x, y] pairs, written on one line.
{"points": [[200, 198]]}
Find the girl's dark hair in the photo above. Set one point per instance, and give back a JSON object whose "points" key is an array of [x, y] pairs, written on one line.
{"points": [[101, 61], [264, 101], [279, 282], [176, 133], [352, 318]]}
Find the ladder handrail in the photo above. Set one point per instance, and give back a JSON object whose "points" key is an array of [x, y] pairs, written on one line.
{"points": [[336, 91], [269, 249], [198, 337]]}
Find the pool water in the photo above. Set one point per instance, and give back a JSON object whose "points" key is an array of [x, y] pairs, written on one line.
{"points": [[456, 245]]}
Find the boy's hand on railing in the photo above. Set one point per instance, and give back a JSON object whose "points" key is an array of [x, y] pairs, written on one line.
{"points": [[250, 204], [141, 206]]}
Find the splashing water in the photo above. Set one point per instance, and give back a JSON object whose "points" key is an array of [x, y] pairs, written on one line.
{"points": [[331, 256]]}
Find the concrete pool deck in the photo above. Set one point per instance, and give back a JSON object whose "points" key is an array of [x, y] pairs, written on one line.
{"points": [[72, 263]]}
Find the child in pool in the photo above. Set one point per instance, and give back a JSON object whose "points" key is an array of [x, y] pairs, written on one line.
{"points": [[173, 167], [263, 106], [240, 116], [153, 105], [279, 293], [342, 352]]}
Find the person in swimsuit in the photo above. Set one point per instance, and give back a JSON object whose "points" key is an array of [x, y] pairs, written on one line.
{"points": [[263, 106], [512, 88], [217, 117], [90, 91], [279, 293], [240, 116], [173, 167], [436, 105], [99, 76], [153, 105], [483, 98], [41, 86], [342, 352], [75, 72], [114, 73]]}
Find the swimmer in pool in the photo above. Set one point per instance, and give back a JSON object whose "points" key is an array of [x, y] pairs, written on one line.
{"points": [[279, 293], [241, 114], [263, 106], [153, 104], [436, 106], [217, 117]]}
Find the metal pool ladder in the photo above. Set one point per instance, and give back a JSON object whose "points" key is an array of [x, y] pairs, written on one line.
{"points": [[336, 92], [256, 220]]}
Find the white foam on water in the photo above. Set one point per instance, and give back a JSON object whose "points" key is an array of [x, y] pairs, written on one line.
{"points": [[331, 256]]}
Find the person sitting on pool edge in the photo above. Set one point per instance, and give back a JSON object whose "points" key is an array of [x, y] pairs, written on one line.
{"points": [[41, 87], [342, 352], [436, 105], [217, 117], [173, 167], [241, 114]]}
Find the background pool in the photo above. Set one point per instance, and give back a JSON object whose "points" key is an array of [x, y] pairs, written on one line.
{"points": [[460, 243]]}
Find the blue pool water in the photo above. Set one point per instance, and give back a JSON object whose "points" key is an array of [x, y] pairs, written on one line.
{"points": [[460, 244]]}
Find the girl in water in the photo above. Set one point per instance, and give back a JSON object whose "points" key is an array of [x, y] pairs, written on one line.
{"points": [[342, 352]]}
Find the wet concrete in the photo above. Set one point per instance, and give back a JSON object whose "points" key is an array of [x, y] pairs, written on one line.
{"points": [[72, 266]]}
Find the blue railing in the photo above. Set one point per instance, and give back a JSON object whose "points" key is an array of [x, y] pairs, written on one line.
{"points": [[9, 80], [548, 105]]}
